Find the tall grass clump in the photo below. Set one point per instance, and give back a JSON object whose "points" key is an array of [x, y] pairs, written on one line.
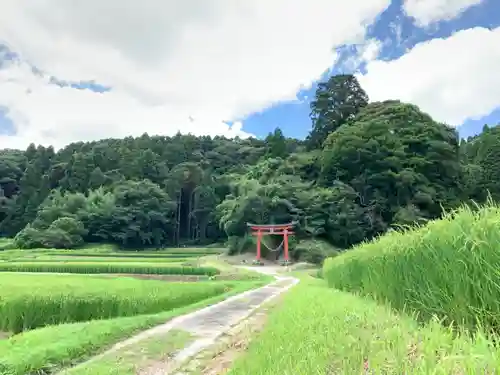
{"points": [[31, 301], [449, 268]]}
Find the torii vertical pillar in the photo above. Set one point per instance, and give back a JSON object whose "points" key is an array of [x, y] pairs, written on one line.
{"points": [[259, 238], [285, 240]]}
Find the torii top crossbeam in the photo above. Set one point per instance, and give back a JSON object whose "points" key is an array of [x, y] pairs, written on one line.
{"points": [[263, 229], [271, 226]]}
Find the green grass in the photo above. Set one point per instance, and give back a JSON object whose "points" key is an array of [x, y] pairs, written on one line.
{"points": [[321, 331], [32, 301], [102, 268], [130, 360], [106, 250], [29, 300], [449, 268], [93, 259], [20, 254], [44, 350], [176, 254]]}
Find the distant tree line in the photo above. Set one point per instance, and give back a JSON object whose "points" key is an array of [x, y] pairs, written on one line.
{"points": [[364, 168]]}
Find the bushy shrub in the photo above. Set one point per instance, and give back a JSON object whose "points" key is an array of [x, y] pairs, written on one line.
{"points": [[313, 251], [63, 233], [238, 245], [28, 238]]}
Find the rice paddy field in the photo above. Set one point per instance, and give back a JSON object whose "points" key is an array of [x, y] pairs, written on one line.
{"points": [[59, 307], [107, 268], [96, 261], [32, 301], [450, 268], [421, 301]]}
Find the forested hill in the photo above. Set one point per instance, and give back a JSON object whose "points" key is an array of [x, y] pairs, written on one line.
{"points": [[364, 168]]}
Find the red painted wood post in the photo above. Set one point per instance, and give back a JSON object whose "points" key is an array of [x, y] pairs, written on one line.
{"points": [[259, 236], [285, 238]]}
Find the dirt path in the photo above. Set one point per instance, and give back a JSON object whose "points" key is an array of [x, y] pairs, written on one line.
{"points": [[208, 324]]}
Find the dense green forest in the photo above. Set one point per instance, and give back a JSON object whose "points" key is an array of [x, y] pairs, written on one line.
{"points": [[366, 167]]}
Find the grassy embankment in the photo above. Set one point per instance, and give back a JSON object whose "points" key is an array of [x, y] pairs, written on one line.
{"points": [[33, 300], [400, 295]]}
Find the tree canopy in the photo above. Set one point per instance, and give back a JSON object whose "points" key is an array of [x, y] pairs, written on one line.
{"points": [[363, 169]]}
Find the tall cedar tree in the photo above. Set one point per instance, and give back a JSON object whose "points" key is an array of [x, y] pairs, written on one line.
{"points": [[337, 101]]}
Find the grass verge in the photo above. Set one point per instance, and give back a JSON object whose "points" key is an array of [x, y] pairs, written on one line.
{"points": [[448, 268], [49, 349], [131, 360], [322, 331]]}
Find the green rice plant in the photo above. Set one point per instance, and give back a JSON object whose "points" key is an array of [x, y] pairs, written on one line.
{"points": [[321, 331], [49, 349], [134, 255], [31, 301], [102, 268], [113, 252], [449, 268], [91, 259], [99, 248]]}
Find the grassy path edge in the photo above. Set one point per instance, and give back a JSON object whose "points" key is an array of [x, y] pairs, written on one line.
{"points": [[202, 342]]}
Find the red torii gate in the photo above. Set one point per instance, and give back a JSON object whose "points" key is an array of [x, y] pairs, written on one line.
{"points": [[265, 229]]}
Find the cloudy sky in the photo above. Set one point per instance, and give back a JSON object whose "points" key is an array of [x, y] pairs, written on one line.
{"points": [[74, 70]]}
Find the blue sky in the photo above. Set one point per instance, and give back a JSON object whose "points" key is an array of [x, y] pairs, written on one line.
{"points": [[6, 126], [294, 118], [72, 114]]}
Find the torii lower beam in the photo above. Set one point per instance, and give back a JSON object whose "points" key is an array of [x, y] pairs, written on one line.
{"points": [[266, 229]]}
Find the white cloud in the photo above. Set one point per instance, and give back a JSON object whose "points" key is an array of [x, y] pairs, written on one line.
{"points": [[452, 79], [56, 115], [367, 51], [426, 12], [214, 60]]}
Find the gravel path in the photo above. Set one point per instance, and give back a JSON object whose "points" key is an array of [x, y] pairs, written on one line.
{"points": [[207, 324]]}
